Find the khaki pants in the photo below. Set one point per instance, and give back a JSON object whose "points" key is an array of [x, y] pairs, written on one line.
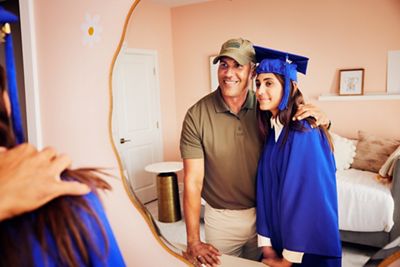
{"points": [[233, 232]]}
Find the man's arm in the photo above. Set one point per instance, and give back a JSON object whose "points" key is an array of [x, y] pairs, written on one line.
{"points": [[31, 178], [193, 184]]}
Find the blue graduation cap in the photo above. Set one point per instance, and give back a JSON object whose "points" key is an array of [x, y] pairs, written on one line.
{"points": [[283, 63], [7, 17]]}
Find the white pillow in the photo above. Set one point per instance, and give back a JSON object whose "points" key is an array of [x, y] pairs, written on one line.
{"points": [[344, 153]]}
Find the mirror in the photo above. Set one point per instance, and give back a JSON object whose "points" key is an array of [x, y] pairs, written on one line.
{"points": [[119, 127], [174, 44]]}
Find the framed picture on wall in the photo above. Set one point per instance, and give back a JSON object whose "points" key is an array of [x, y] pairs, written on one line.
{"points": [[351, 82], [393, 70], [213, 74]]}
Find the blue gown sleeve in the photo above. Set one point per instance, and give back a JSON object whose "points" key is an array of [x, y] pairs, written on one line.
{"points": [[308, 201], [261, 201]]}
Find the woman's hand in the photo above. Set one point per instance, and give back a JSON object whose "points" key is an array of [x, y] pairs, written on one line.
{"points": [[271, 259], [277, 262], [269, 253]]}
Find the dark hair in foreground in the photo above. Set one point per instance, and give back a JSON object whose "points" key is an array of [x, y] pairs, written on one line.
{"points": [[58, 218], [285, 116]]}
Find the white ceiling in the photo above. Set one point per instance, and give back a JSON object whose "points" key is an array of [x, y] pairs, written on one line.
{"points": [[175, 3]]}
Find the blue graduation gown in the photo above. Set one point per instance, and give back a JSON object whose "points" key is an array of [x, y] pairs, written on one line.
{"points": [[297, 197], [97, 257]]}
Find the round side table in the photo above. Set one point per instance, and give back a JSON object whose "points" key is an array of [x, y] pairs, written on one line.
{"points": [[169, 209]]}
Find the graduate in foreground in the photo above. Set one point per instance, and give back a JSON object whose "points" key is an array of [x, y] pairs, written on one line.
{"points": [[69, 230], [297, 217]]}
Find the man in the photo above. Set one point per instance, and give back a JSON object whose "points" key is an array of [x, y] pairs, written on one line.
{"points": [[220, 148]]}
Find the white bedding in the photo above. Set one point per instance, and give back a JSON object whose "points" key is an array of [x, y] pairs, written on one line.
{"points": [[365, 205]]}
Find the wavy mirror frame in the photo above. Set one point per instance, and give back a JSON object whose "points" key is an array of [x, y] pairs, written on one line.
{"points": [[392, 260], [170, 248]]}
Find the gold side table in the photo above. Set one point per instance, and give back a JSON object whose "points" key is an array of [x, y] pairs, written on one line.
{"points": [[169, 209]]}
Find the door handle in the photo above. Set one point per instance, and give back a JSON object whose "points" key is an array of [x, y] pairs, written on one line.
{"points": [[123, 140]]}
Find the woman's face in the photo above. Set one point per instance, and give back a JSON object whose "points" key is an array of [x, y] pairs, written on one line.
{"points": [[7, 103], [3, 91], [269, 92]]}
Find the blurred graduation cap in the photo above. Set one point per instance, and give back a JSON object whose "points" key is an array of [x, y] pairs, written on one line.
{"points": [[6, 18], [283, 63]]}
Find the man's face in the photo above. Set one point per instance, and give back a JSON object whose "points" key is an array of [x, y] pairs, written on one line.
{"points": [[233, 78]]}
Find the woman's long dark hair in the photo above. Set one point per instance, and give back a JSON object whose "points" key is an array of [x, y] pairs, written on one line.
{"points": [[58, 218], [285, 116]]}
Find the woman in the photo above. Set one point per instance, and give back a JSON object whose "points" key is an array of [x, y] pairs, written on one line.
{"points": [[297, 221], [67, 231]]}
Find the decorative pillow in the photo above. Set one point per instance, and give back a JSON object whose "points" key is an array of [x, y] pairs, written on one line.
{"points": [[372, 151], [344, 152]]}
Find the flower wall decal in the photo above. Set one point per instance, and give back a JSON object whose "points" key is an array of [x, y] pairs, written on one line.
{"points": [[91, 29]]}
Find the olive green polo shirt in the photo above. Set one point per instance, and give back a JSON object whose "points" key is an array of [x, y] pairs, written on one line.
{"points": [[230, 146]]}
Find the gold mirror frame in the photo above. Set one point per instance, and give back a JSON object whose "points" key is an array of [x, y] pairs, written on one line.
{"points": [[394, 258], [133, 198]]}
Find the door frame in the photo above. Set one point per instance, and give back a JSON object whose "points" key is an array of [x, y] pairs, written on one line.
{"points": [[29, 51]]}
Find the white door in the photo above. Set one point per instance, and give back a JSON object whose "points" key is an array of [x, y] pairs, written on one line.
{"points": [[136, 126]]}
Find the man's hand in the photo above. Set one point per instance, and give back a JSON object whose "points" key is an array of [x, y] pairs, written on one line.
{"points": [[202, 254], [30, 179], [310, 110]]}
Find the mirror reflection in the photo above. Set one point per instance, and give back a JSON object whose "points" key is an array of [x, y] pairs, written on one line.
{"points": [[164, 68]]}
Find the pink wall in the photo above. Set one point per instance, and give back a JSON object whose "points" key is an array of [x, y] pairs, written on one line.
{"points": [[156, 20], [74, 101], [335, 34]]}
